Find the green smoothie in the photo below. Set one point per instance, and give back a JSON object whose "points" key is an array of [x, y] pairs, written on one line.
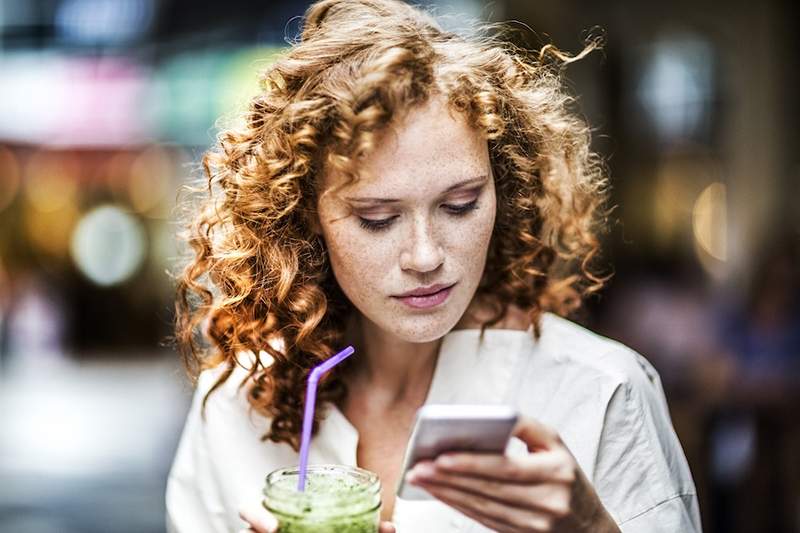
{"points": [[336, 499]]}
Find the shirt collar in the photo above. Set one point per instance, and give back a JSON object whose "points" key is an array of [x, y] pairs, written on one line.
{"points": [[471, 370], [468, 371]]}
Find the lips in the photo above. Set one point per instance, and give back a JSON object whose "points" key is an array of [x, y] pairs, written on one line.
{"points": [[426, 291], [426, 297]]}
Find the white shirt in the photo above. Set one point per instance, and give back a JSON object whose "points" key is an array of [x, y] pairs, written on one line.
{"points": [[605, 401]]}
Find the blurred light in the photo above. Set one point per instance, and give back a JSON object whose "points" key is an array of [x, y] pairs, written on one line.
{"points": [[20, 13], [51, 181], [103, 21], [194, 89], [675, 87], [163, 251], [672, 199], [9, 177], [103, 103], [151, 176], [460, 15], [55, 100], [185, 97], [32, 89], [733, 449], [115, 173], [49, 231], [239, 79], [709, 221], [108, 245], [680, 177], [66, 420]]}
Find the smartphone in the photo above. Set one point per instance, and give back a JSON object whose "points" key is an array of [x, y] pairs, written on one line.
{"points": [[454, 428]]}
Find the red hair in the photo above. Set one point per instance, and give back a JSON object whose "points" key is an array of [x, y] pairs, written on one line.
{"points": [[258, 271]]}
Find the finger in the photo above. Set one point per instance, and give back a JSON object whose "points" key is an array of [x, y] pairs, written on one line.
{"points": [[490, 513], [492, 524], [444, 497], [259, 519], [387, 527], [536, 435], [529, 468], [546, 497]]}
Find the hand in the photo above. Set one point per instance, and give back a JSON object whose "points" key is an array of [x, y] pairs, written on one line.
{"points": [[262, 521], [543, 491]]}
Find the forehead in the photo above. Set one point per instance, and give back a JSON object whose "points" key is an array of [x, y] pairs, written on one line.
{"points": [[427, 150]]}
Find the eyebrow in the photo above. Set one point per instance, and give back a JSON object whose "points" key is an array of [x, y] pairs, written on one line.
{"points": [[472, 181]]}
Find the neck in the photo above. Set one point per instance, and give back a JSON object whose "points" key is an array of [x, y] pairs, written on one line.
{"points": [[390, 370]]}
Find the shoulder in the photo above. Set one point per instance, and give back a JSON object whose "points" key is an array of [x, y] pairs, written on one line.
{"points": [[221, 458], [223, 399], [608, 373], [622, 379], [607, 404], [632, 437], [569, 344], [232, 430], [595, 390], [571, 347], [215, 390], [224, 389]]}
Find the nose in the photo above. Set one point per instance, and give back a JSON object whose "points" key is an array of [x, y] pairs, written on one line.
{"points": [[423, 252]]}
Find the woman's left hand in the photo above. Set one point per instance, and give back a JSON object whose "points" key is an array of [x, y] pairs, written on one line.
{"points": [[545, 490]]}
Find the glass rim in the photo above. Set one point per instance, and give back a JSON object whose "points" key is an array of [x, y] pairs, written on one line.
{"points": [[367, 483]]}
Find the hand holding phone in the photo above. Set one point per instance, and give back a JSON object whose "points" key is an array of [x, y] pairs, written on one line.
{"points": [[454, 428]]}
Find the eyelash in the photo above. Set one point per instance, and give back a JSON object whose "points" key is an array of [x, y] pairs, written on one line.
{"points": [[455, 210]]}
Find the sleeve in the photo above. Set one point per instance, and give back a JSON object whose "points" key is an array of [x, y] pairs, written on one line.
{"points": [[641, 473], [193, 500]]}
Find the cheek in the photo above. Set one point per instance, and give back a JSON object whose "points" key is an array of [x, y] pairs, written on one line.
{"points": [[483, 233], [471, 238], [359, 260]]}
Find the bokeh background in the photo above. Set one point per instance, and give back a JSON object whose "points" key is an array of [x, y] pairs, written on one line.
{"points": [[107, 105]]}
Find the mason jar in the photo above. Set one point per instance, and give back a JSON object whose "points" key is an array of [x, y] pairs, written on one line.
{"points": [[336, 498]]}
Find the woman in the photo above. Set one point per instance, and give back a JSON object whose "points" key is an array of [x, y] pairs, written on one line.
{"points": [[430, 200]]}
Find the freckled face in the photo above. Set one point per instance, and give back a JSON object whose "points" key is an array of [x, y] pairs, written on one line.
{"points": [[420, 216]]}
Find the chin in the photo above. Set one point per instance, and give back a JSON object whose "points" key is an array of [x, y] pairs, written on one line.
{"points": [[423, 328]]}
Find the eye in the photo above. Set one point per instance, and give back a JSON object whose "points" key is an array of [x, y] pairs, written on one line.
{"points": [[376, 225], [384, 223], [461, 209]]}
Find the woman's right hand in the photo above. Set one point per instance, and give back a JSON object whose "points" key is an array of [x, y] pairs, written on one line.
{"points": [[261, 521]]}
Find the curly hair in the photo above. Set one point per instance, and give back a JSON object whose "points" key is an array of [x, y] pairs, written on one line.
{"points": [[259, 273]]}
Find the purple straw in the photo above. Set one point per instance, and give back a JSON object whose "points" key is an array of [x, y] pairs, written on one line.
{"points": [[308, 414]]}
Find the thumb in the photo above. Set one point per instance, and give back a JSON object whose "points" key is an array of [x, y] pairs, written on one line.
{"points": [[535, 434], [387, 527]]}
